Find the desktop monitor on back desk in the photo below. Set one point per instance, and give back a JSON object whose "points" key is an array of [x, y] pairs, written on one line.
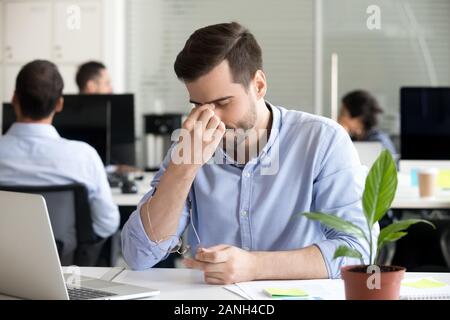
{"points": [[106, 122], [425, 123]]}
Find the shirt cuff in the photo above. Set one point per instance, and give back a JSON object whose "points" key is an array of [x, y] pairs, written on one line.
{"points": [[327, 248], [139, 251]]}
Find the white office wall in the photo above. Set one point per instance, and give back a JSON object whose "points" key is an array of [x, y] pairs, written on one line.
{"points": [[411, 48], [68, 72], [158, 29]]}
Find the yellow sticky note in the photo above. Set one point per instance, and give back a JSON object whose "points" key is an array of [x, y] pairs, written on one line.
{"points": [[443, 179], [424, 284], [281, 292]]}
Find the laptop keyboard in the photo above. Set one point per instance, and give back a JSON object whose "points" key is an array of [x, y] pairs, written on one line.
{"points": [[77, 293]]}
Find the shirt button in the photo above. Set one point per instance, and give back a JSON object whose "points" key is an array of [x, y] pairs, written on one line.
{"points": [[247, 175], [244, 213]]}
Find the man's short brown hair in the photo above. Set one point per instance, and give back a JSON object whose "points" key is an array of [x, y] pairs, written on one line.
{"points": [[39, 86], [209, 46], [88, 71]]}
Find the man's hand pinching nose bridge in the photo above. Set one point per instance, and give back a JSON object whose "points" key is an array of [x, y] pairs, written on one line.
{"points": [[210, 125], [205, 130]]}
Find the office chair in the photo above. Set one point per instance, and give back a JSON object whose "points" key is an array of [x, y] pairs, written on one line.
{"points": [[70, 217], [425, 249], [445, 246]]}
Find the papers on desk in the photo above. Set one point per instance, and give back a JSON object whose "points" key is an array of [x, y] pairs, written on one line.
{"points": [[424, 289], [236, 290], [411, 289], [289, 290]]}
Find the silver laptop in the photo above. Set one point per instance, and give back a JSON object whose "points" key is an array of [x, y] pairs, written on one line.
{"points": [[368, 151], [29, 262]]}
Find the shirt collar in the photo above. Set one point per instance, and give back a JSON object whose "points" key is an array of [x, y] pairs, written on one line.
{"points": [[274, 131], [33, 130]]}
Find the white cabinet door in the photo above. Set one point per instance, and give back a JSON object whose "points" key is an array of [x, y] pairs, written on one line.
{"points": [[78, 31], [28, 27]]}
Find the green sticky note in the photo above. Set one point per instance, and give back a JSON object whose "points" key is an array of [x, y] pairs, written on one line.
{"points": [[280, 292], [424, 284]]}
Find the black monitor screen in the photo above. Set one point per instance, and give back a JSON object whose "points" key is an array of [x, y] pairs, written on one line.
{"points": [[106, 122], [425, 123], [85, 120]]}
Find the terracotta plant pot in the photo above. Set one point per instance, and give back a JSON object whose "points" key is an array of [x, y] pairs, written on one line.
{"points": [[358, 286]]}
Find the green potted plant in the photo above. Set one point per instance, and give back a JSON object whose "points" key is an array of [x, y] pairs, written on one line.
{"points": [[372, 281]]}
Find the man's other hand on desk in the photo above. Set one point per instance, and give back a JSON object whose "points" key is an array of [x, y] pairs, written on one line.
{"points": [[224, 264]]}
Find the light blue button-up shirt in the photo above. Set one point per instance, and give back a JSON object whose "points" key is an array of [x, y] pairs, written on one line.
{"points": [[36, 155], [316, 169]]}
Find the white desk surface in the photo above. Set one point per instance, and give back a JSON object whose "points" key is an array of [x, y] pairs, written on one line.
{"points": [[174, 284], [132, 200], [440, 202], [187, 284], [407, 197]]}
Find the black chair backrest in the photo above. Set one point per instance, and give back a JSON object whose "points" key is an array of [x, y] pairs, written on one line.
{"points": [[70, 216]]}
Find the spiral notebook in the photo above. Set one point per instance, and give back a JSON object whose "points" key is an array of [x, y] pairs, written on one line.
{"points": [[424, 289]]}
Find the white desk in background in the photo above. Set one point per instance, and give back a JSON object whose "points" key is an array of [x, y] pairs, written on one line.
{"points": [[407, 196], [405, 199], [128, 200], [133, 199], [442, 201], [187, 284]]}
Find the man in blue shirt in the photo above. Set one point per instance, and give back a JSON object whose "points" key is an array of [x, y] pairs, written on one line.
{"points": [[33, 154], [241, 209]]}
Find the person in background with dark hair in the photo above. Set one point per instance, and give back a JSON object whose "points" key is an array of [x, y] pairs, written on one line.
{"points": [[93, 78], [32, 153], [359, 116], [242, 209]]}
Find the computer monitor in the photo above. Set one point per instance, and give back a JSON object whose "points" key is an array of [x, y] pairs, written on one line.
{"points": [[425, 123], [106, 122]]}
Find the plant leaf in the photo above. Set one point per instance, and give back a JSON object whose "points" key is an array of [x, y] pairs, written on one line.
{"points": [[392, 237], [387, 233], [344, 251], [380, 188], [336, 223]]}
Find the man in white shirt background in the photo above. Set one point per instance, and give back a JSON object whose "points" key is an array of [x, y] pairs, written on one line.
{"points": [[32, 153]]}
